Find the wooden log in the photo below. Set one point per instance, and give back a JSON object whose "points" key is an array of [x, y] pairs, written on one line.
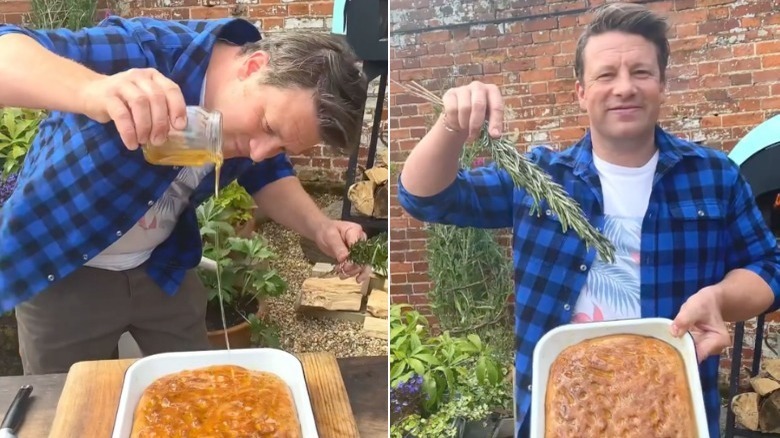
{"points": [[378, 175], [769, 414], [362, 196], [322, 270], [771, 368], [330, 293], [764, 386], [380, 202], [376, 327], [745, 408], [377, 303]]}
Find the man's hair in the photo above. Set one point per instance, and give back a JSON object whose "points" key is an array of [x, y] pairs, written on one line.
{"points": [[629, 18], [325, 63]]}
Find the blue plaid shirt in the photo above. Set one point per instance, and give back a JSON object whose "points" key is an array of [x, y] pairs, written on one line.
{"points": [[701, 223], [81, 189]]}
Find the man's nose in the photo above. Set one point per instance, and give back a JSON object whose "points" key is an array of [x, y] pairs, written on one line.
{"points": [[265, 145], [624, 85]]}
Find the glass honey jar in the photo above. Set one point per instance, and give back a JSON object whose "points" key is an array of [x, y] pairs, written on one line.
{"points": [[198, 144]]}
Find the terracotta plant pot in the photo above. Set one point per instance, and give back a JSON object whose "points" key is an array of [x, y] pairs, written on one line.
{"points": [[238, 335]]}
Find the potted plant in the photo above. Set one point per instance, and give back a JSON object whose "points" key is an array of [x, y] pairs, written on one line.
{"points": [[236, 207], [444, 386], [247, 279], [17, 130]]}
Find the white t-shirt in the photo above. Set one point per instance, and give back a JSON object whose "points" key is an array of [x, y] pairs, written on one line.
{"points": [[612, 290], [136, 246]]}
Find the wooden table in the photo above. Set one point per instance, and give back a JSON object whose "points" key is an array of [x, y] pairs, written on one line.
{"points": [[364, 377]]}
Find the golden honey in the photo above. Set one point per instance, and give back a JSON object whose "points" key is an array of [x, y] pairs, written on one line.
{"points": [[198, 144]]}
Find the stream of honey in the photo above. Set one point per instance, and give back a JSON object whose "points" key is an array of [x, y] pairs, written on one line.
{"points": [[171, 154], [217, 168]]}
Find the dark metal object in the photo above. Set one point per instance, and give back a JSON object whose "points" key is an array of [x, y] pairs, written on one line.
{"points": [[367, 32], [15, 414], [736, 363]]}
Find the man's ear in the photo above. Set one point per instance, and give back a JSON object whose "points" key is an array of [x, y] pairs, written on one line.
{"points": [[253, 63], [580, 90]]}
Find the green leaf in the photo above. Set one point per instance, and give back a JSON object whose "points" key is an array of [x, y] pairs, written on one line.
{"points": [[416, 365], [475, 340]]}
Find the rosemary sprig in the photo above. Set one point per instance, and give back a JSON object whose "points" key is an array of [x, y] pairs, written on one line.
{"points": [[535, 181], [371, 252]]}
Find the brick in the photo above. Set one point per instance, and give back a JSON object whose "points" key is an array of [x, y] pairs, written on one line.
{"points": [[766, 75], [736, 65], [436, 36], [746, 119], [540, 24], [14, 7], [262, 11], [209, 13], [767, 47], [321, 8], [769, 61]]}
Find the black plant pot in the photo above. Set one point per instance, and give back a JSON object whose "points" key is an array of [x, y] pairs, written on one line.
{"points": [[494, 426]]}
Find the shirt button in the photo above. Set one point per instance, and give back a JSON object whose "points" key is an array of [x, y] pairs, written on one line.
{"points": [[529, 388], [583, 268], [548, 212], [85, 257], [118, 233], [150, 203], [566, 307], [51, 277], [176, 167], [701, 213]]}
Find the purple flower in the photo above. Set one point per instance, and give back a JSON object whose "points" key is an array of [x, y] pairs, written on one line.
{"points": [[406, 398], [7, 187]]}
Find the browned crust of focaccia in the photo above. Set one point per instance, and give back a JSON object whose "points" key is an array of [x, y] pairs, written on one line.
{"points": [[217, 401], [619, 386]]}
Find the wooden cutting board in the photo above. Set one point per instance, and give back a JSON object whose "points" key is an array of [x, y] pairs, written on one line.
{"points": [[90, 398]]}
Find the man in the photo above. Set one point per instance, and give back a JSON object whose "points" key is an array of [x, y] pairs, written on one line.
{"points": [[81, 258], [691, 243]]}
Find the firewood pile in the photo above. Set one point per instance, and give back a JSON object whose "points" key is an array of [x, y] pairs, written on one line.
{"points": [[370, 195], [325, 295], [759, 409]]}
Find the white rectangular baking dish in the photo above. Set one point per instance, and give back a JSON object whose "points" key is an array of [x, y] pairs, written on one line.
{"points": [[556, 340], [144, 371]]}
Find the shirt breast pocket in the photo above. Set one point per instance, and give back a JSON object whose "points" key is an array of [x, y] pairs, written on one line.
{"points": [[540, 236], [695, 233]]}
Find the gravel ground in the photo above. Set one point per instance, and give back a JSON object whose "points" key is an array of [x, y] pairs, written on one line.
{"points": [[300, 333]]}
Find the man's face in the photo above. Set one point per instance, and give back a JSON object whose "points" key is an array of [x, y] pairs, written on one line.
{"points": [[622, 89], [260, 121]]}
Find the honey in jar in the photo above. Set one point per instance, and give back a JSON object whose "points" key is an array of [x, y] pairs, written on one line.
{"points": [[198, 144]]}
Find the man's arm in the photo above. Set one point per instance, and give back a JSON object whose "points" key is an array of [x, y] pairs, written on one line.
{"points": [[286, 202], [45, 75], [742, 295], [432, 186], [75, 71], [281, 196], [752, 285]]}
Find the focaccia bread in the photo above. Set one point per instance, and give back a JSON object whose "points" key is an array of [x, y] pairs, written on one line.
{"points": [[619, 386], [215, 402]]}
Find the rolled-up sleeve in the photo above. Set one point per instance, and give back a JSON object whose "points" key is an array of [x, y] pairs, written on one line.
{"points": [[265, 172], [751, 244], [480, 198], [106, 48]]}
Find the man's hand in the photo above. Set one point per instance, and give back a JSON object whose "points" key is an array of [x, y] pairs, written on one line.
{"points": [[334, 238], [701, 315], [466, 109], [143, 103]]}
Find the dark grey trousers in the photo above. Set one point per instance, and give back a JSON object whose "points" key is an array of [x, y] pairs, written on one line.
{"points": [[82, 317]]}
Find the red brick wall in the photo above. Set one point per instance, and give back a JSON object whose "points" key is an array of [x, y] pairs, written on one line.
{"points": [[320, 165], [724, 79]]}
